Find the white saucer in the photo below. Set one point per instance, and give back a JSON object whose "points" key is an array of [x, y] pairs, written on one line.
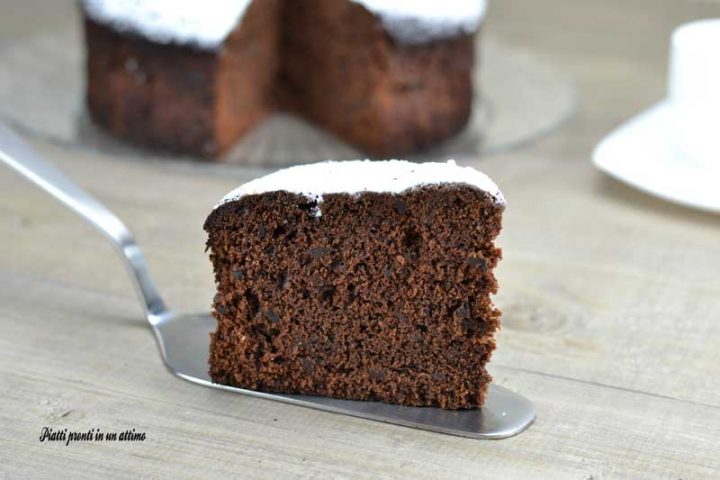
{"points": [[641, 153]]}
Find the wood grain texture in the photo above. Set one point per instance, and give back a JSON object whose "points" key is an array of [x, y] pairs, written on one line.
{"points": [[611, 299]]}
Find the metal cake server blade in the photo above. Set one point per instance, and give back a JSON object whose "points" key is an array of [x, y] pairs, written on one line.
{"points": [[183, 339]]}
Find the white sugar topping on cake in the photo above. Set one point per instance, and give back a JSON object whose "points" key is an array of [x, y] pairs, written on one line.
{"points": [[207, 23], [360, 176], [204, 24], [422, 21]]}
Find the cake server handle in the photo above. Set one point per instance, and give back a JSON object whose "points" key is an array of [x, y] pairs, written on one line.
{"points": [[18, 155]]}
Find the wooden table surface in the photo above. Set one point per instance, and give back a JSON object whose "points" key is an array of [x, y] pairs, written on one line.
{"points": [[611, 300]]}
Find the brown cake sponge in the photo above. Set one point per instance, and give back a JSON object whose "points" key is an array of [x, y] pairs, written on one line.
{"points": [[363, 294]]}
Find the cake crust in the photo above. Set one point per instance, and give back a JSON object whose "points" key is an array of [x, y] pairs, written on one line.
{"points": [[384, 297]]}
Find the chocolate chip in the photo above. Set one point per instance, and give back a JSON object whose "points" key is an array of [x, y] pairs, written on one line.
{"points": [[280, 230], [377, 374], [327, 293], [282, 280], [401, 207], [412, 238], [261, 231], [462, 311], [470, 324], [477, 262], [239, 275], [271, 315], [253, 302], [351, 296]]}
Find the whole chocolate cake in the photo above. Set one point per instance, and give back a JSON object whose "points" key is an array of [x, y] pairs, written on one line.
{"points": [[358, 280], [192, 77]]}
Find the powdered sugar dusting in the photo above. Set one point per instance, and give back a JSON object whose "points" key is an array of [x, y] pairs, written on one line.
{"points": [[207, 23], [203, 23], [358, 176], [422, 21]]}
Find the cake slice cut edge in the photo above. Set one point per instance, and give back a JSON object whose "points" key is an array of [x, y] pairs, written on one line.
{"points": [[358, 280]]}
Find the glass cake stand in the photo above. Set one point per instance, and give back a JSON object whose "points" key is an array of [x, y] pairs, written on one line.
{"points": [[519, 98]]}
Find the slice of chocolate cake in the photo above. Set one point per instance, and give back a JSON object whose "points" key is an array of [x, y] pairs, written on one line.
{"points": [[358, 280]]}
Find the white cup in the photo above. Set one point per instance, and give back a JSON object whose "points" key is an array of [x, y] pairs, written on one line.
{"points": [[694, 91]]}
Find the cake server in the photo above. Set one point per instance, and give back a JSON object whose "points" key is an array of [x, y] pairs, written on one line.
{"points": [[183, 339]]}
